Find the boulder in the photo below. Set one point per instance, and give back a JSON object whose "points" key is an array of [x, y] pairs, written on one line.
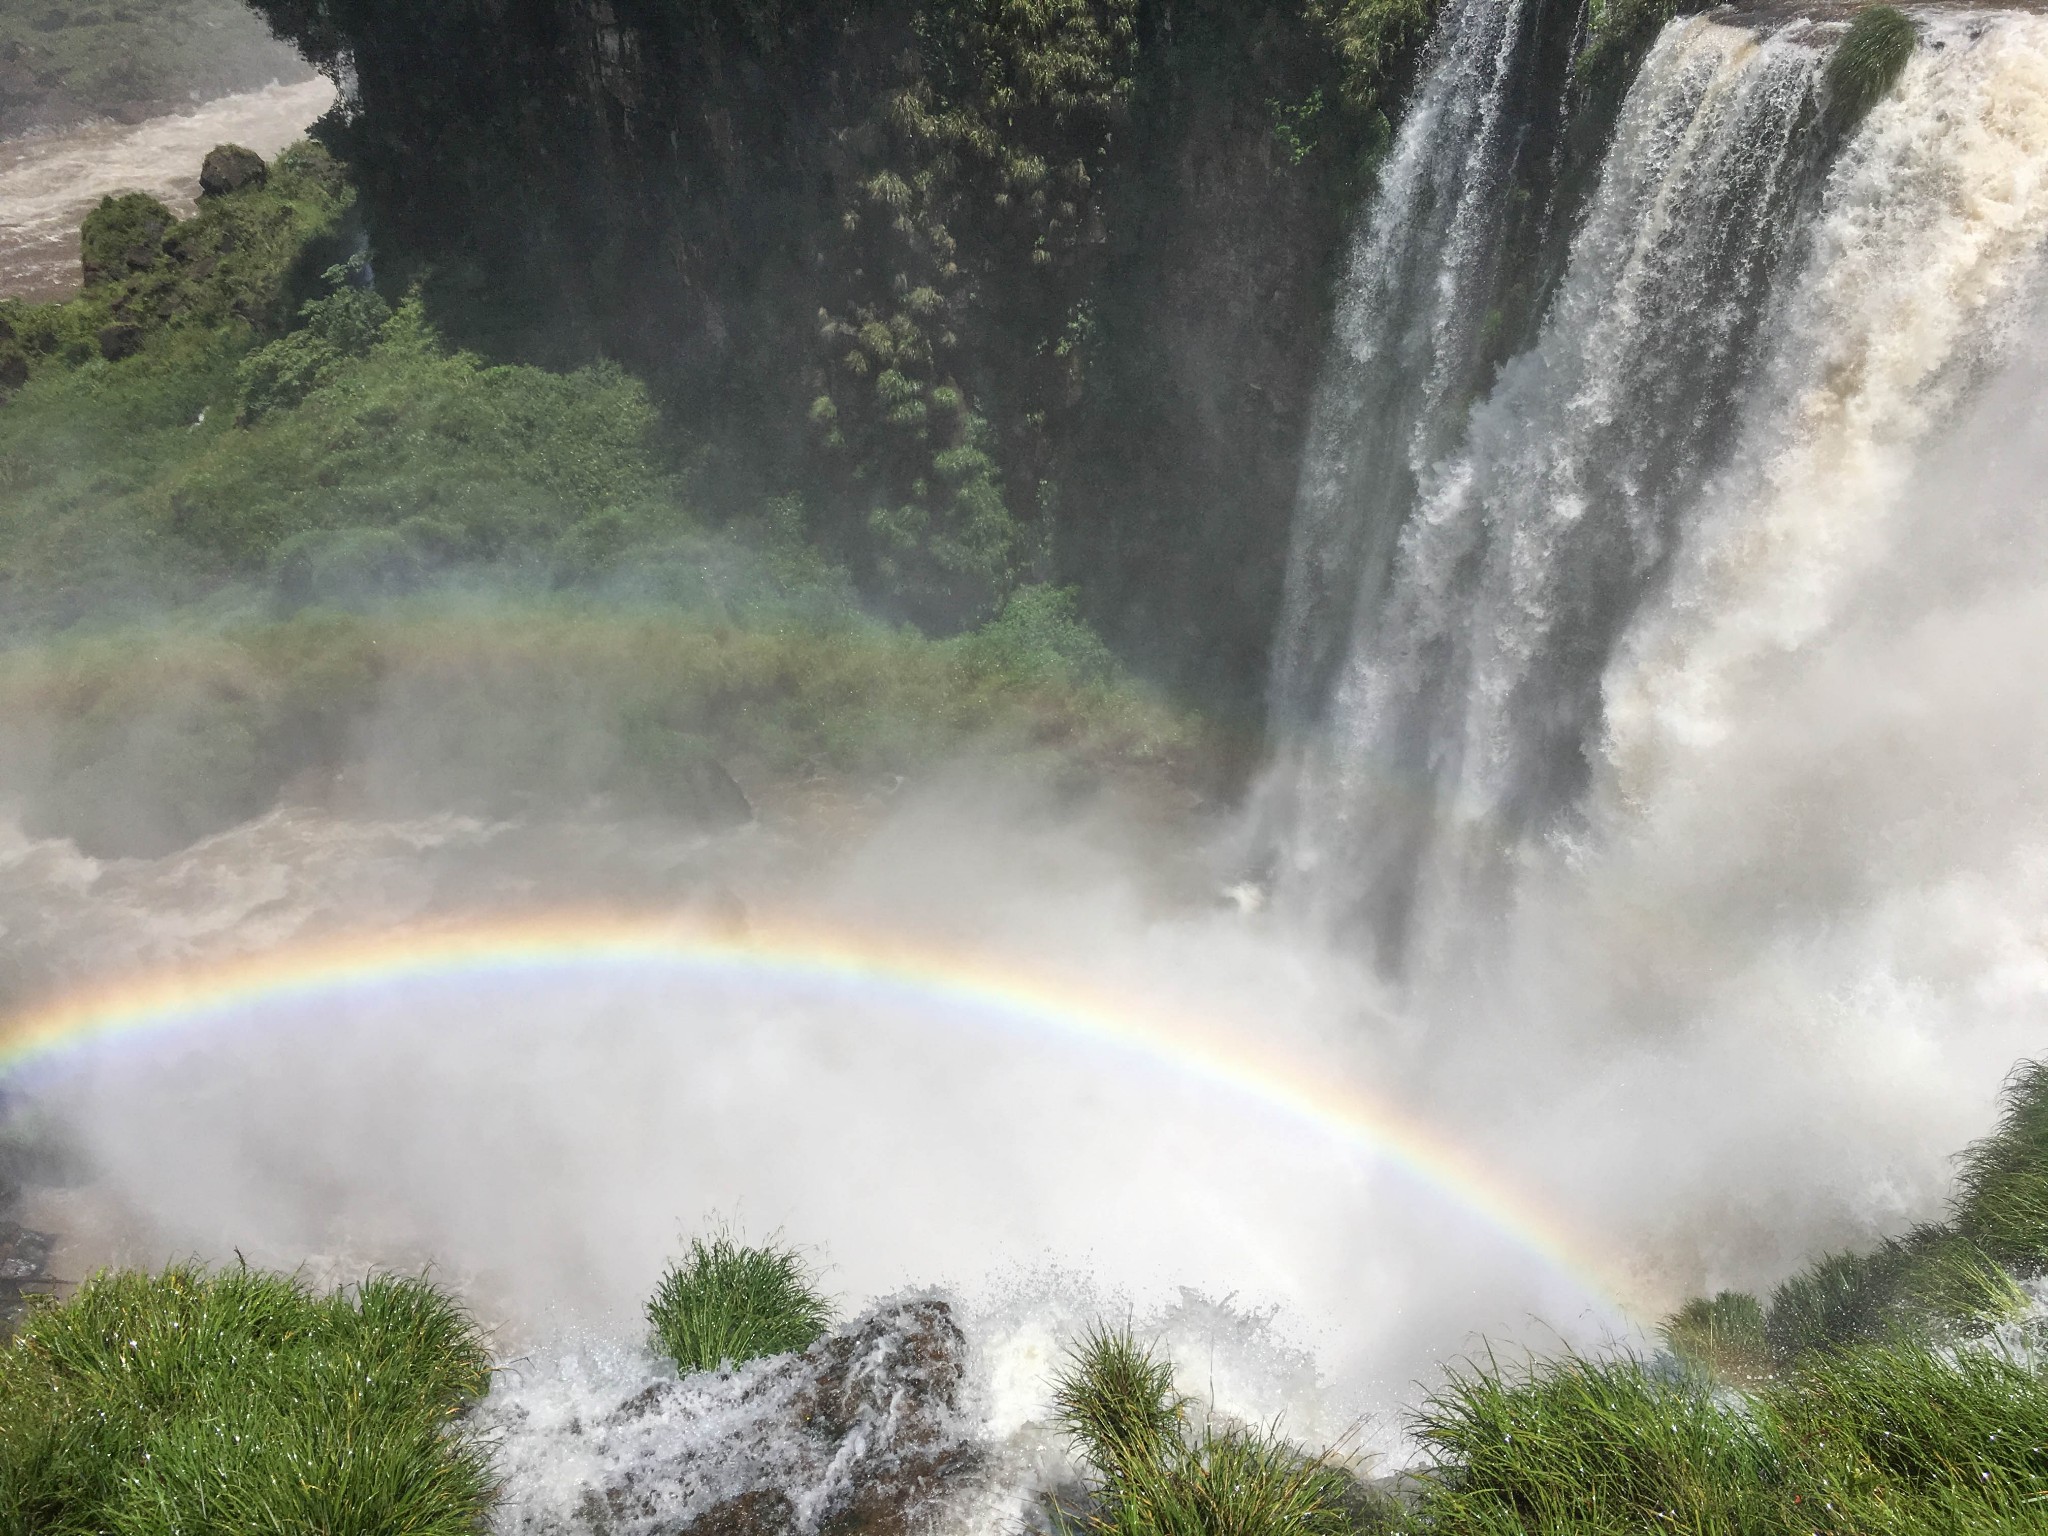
{"points": [[230, 168], [119, 340]]}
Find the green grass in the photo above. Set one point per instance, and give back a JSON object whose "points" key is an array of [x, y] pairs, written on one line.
{"points": [[1873, 1395], [1154, 1474], [1939, 1282], [197, 1401], [2001, 1200], [726, 1304], [1868, 61], [1589, 1445], [1903, 1437], [1723, 1335]]}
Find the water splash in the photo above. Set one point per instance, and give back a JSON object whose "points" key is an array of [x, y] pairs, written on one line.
{"points": [[1456, 719], [1409, 350]]}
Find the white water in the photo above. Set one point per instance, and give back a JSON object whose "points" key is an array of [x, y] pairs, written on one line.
{"points": [[1457, 716], [49, 182], [1728, 383], [1409, 326]]}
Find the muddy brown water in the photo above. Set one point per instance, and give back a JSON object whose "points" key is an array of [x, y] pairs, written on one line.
{"points": [[49, 182]]}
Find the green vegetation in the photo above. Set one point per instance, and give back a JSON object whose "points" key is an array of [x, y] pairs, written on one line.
{"points": [[149, 1405], [1868, 61], [1900, 1437], [1155, 1474], [1589, 1446], [1372, 38], [727, 1304], [980, 170], [1938, 1284], [1723, 1335], [140, 740], [1866, 1398], [1618, 34], [2001, 1199], [247, 502]]}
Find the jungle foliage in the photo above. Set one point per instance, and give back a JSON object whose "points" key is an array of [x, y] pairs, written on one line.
{"points": [[993, 289], [246, 499]]}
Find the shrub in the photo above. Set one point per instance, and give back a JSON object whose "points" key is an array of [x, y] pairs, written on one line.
{"points": [[726, 1304], [122, 235], [1040, 633], [332, 331], [239, 1401], [1868, 61]]}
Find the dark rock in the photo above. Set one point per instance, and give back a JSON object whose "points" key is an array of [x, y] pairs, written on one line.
{"points": [[120, 340], [764, 1512], [230, 168], [24, 1271], [861, 1435]]}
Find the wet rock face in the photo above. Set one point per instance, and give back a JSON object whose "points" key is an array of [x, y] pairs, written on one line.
{"points": [[861, 1435]]}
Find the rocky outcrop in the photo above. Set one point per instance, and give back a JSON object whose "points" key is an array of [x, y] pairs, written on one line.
{"points": [[230, 168], [863, 1434]]}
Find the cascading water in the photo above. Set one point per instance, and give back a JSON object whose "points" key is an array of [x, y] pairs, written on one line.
{"points": [[1701, 324], [1411, 332]]}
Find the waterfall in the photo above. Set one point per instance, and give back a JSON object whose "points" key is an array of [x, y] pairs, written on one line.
{"points": [[1746, 344], [1934, 222], [1410, 334]]}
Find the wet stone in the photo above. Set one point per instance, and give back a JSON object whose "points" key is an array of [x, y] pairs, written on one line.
{"points": [[864, 1434]]}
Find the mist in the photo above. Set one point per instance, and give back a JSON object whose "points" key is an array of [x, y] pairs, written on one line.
{"points": [[1744, 1017]]}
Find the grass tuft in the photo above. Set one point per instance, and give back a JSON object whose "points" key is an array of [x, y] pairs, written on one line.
{"points": [[194, 1400], [1155, 1476], [1932, 1283], [726, 1304], [1723, 1336], [2001, 1200], [1117, 1402], [1868, 61], [1588, 1445]]}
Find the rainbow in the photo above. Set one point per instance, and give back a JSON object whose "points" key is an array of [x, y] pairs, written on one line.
{"points": [[974, 987]]}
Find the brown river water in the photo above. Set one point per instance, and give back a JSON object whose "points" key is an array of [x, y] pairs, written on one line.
{"points": [[48, 183]]}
